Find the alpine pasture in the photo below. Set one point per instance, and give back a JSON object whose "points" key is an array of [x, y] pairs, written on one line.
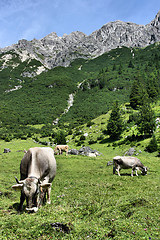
{"points": [[87, 200]]}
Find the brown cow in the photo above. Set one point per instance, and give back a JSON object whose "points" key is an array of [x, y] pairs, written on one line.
{"points": [[61, 148]]}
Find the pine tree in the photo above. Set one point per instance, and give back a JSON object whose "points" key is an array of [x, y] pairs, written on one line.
{"points": [[60, 138], [153, 145], [146, 120], [138, 94], [130, 65], [120, 70], [115, 124], [135, 94], [152, 87], [114, 67]]}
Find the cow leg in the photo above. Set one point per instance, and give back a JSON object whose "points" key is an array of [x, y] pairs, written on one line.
{"points": [[132, 172], [22, 199], [134, 169], [114, 169], [48, 195], [118, 169]]}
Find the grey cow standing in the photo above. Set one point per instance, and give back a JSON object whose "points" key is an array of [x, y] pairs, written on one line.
{"points": [[37, 170], [125, 162]]}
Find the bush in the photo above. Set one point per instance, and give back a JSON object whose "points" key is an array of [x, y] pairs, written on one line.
{"points": [[92, 141], [70, 132], [60, 138], [133, 117], [100, 138], [79, 143], [89, 124], [7, 139], [82, 138], [152, 146], [23, 137]]}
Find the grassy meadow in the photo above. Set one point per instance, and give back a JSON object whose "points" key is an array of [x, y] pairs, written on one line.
{"points": [[88, 201]]}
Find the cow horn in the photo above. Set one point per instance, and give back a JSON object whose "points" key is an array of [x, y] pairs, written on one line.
{"points": [[39, 181], [17, 180]]}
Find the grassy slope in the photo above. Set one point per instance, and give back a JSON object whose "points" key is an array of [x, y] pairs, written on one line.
{"points": [[37, 103], [86, 196]]}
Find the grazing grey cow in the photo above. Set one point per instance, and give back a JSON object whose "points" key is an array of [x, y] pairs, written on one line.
{"points": [[128, 162], [37, 170]]}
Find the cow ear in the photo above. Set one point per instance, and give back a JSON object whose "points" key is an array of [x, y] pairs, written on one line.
{"points": [[46, 185], [17, 187]]}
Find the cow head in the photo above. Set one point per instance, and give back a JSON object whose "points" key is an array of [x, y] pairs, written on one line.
{"points": [[33, 191], [144, 171]]}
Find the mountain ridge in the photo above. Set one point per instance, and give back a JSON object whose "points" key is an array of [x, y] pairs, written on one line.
{"points": [[54, 51]]}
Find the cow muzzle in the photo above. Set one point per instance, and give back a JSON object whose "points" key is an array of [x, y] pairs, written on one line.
{"points": [[31, 210]]}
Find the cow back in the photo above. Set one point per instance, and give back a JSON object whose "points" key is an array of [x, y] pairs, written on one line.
{"points": [[40, 163]]}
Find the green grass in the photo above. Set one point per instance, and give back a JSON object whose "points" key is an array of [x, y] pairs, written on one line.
{"points": [[86, 196]]}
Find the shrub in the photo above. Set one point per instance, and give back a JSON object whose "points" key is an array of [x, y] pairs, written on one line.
{"points": [[91, 141], [79, 143], [70, 132], [23, 137], [133, 117], [89, 124], [82, 138], [7, 139], [152, 146], [100, 137], [60, 138]]}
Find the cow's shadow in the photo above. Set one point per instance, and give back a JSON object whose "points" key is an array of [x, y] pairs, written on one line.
{"points": [[15, 206], [128, 175], [125, 174]]}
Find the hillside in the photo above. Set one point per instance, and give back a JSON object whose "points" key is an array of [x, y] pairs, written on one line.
{"points": [[95, 85]]}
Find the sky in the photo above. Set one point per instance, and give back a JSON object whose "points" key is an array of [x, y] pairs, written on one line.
{"points": [[29, 19]]}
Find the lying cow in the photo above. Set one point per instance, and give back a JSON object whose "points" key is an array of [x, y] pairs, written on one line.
{"points": [[37, 170], [61, 148], [128, 162]]}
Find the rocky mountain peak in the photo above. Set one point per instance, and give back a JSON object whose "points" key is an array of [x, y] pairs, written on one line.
{"points": [[54, 51], [156, 21]]}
